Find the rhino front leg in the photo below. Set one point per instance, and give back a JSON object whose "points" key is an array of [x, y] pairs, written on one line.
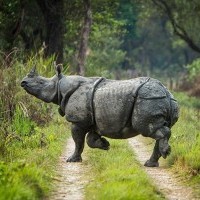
{"points": [[94, 140], [78, 135]]}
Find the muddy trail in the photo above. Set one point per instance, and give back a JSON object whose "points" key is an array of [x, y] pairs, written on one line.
{"points": [[167, 182], [70, 182]]}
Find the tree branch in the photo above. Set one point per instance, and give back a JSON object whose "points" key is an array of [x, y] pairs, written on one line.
{"points": [[178, 30]]}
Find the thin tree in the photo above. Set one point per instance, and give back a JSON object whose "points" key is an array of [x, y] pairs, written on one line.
{"points": [[53, 13], [82, 51]]}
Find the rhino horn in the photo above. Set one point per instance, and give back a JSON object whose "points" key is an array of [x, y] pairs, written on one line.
{"points": [[33, 71]]}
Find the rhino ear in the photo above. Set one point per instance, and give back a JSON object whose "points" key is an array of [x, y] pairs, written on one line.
{"points": [[33, 72], [58, 68]]}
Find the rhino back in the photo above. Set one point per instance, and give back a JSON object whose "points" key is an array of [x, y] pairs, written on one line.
{"points": [[113, 104], [152, 89]]}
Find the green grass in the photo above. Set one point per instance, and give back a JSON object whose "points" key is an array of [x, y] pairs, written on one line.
{"points": [[187, 101], [117, 175], [185, 141], [29, 164]]}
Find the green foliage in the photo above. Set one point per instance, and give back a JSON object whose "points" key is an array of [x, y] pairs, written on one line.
{"points": [[185, 140], [103, 47], [155, 50], [126, 34], [44, 66], [117, 175], [127, 12], [186, 14], [28, 166], [29, 148], [186, 101], [113, 29], [24, 181], [20, 113], [9, 14], [194, 69], [21, 124]]}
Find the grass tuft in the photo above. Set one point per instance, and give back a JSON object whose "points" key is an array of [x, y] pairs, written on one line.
{"points": [[117, 175], [29, 164]]}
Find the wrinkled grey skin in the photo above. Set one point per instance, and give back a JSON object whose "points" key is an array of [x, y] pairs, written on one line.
{"points": [[114, 109]]}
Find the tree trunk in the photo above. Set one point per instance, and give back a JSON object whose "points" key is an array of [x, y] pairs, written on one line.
{"points": [[82, 52], [53, 12]]}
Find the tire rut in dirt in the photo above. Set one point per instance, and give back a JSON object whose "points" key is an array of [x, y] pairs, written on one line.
{"points": [[168, 183], [69, 184]]}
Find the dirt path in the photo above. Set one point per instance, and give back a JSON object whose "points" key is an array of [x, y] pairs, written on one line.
{"points": [[169, 184], [69, 185]]}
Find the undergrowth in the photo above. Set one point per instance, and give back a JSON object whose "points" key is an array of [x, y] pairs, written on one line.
{"points": [[187, 101], [117, 175], [185, 140], [31, 137], [185, 137], [27, 168]]}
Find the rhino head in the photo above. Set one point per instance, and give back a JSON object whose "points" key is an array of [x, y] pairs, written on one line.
{"points": [[43, 88]]}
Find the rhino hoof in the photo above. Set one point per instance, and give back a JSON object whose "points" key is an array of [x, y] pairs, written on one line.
{"points": [[74, 159], [61, 112], [165, 151], [105, 144], [149, 163]]}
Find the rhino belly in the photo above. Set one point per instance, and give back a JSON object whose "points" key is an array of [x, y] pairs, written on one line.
{"points": [[113, 106]]}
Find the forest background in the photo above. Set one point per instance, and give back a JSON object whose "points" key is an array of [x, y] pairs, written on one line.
{"points": [[120, 38], [116, 39]]}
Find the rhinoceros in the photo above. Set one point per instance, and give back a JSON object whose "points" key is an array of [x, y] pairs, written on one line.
{"points": [[117, 109]]}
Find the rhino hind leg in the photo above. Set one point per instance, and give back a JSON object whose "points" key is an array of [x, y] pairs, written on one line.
{"points": [[162, 135], [78, 135], [162, 148], [153, 161], [94, 140]]}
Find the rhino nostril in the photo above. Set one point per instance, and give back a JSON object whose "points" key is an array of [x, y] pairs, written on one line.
{"points": [[23, 83]]}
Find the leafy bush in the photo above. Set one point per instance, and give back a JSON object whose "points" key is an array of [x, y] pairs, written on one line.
{"points": [[194, 77], [22, 124], [105, 52], [194, 69], [27, 167], [187, 101], [19, 112]]}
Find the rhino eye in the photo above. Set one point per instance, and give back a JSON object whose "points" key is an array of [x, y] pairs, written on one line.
{"points": [[40, 82]]}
